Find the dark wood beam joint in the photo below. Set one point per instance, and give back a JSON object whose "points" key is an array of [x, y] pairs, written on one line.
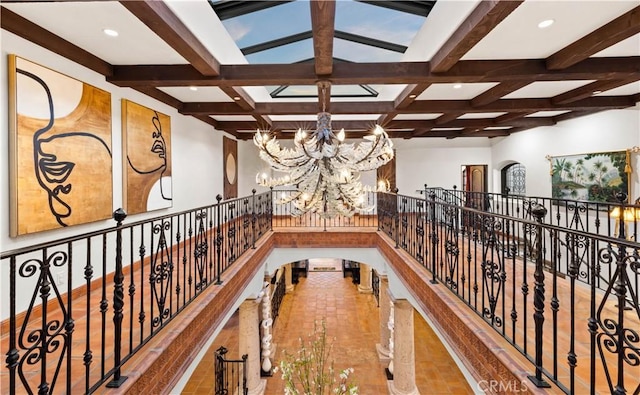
{"points": [[28, 30], [612, 33], [486, 16], [323, 15], [163, 22]]}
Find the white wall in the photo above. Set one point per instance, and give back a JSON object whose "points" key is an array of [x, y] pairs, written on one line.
{"points": [[195, 145], [196, 161], [614, 130], [249, 164], [437, 162]]}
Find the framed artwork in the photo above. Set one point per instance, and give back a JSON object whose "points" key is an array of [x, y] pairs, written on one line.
{"points": [[230, 166], [595, 177], [146, 155], [60, 158]]}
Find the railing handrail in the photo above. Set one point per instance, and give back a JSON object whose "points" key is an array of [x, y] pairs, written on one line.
{"points": [[90, 234]]}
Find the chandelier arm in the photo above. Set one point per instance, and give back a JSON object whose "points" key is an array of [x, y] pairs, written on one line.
{"points": [[373, 148], [278, 160]]}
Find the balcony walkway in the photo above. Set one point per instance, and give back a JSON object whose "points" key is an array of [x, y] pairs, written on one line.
{"points": [[352, 318]]}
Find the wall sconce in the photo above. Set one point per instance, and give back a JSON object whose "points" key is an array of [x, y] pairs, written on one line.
{"points": [[383, 185]]}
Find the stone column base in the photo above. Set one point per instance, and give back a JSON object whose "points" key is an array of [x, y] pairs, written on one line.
{"points": [[383, 353], [289, 288], [259, 390], [365, 289], [394, 391]]}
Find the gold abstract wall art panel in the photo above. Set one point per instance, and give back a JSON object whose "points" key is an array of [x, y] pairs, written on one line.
{"points": [[60, 159], [146, 142]]}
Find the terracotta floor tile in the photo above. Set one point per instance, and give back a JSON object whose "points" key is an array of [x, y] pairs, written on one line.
{"points": [[352, 319]]}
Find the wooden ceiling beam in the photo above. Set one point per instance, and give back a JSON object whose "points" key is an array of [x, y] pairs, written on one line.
{"points": [[516, 105], [589, 90], [519, 106], [376, 73], [240, 96], [28, 30], [160, 96], [509, 118], [574, 114], [162, 21], [447, 117], [323, 16], [324, 96], [612, 33], [498, 91], [486, 16], [406, 97], [367, 126]]}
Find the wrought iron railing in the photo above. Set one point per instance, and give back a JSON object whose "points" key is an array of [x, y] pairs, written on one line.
{"points": [[230, 374], [562, 297], [592, 217], [282, 214], [375, 285], [278, 294], [88, 303]]}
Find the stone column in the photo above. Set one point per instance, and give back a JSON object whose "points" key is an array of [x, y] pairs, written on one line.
{"points": [[365, 279], [383, 346], [287, 274], [250, 344], [404, 366]]}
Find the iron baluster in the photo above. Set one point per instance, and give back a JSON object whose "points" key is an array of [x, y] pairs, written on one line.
{"points": [[434, 236], [219, 240], [538, 212], [253, 218], [118, 302]]}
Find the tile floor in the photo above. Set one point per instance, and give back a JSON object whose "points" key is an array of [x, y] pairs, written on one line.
{"points": [[352, 320]]}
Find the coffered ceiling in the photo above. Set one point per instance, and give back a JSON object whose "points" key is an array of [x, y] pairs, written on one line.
{"points": [[419, 68]]}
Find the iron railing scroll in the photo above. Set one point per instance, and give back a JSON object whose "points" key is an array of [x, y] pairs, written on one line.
{"points": [[278, 294], [103, 295], [231, 374], [529, 278]]}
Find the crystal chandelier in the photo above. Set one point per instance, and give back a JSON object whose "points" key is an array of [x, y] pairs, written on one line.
{"points": [[323, 168]]}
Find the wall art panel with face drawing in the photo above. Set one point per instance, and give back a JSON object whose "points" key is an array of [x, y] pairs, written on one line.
{"points": [[146, 148], [60, 159]]}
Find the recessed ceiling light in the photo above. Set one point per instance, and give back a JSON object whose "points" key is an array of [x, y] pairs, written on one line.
{"points": [[457, 86], [596, 92], [193, 88], [546, 23], [110, 32], [236, 98], [412, 96]]}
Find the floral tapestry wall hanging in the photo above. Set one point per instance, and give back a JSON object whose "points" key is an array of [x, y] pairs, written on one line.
{"points": [[595, 177]]}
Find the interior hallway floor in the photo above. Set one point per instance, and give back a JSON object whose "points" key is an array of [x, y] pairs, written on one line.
{"points": [[352, 320]]}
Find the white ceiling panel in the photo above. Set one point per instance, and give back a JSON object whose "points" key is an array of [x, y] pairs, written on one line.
{"points": [[231, 118], [546, 114], [416, 116], [624, 90], [76, 22], [628, 47], [449, 92], [519, 37], [203, 93], [479, 115], [543, 89]]}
